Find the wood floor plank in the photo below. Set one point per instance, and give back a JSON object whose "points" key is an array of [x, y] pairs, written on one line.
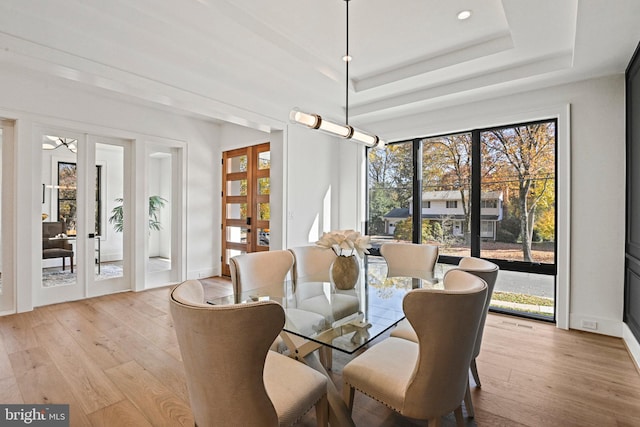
{"points": [[17, 333], [158, 404], [5, 364], [9, 391], [40, 381], [162, 336], [103, 351], [99, 319], [87, 381], [154, 359], [121, 414]]}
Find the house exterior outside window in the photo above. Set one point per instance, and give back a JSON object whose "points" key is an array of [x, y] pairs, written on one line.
{"points": [[447, 208]]}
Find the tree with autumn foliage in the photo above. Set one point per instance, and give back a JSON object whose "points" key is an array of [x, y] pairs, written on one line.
{"points": [[524, 160], [447, 167], [390, 179]]}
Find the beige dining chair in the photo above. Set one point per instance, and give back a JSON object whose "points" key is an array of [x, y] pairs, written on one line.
{"points": [[265, 269], [426, 379], [310, 269], [312, 263], [410, 259], [232, 377], [488, 272], [259, 269]]}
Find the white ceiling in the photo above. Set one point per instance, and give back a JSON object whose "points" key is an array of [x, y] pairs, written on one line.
{"points": [[251, 61]]}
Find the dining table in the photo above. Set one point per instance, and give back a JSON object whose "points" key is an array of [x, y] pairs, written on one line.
{"points": [[321, 316]]}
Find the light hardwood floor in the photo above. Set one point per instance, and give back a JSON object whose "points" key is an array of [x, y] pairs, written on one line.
{"points": [[115, 360]]}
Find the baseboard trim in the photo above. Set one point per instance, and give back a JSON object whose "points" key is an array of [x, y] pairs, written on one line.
{"points": [[603, 326]]}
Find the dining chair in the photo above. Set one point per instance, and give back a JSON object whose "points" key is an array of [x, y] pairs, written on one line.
{"points": [[488, 272], [310, 269], [312, 263], [410, 259], [259, 269], [426, 379], [264, 269], [232, 377]]}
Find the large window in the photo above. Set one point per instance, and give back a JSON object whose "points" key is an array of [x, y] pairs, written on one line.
{"points": [[487, 193]]}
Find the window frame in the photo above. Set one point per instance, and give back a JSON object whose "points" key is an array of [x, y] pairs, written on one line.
{"points": [[507, 265]]}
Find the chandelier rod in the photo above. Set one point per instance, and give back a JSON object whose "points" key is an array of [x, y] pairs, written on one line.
{"points": [[347, 60]]}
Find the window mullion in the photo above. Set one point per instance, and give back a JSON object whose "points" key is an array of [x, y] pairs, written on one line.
{"points": [[475, 193], [417, 191]]}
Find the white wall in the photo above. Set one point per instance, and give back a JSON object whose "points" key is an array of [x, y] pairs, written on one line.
{"points": [[313, 181], [597, 181]]}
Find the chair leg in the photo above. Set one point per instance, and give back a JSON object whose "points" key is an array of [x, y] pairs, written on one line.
{"points": [[468, 403], [348, 393], [71, 258], [63, 264], [322, 412], [474, 372], [435, 422], [459, 418]]}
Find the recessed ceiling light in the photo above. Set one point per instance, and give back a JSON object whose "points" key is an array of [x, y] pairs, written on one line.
{"points": [[347, 58], [465, 14]]}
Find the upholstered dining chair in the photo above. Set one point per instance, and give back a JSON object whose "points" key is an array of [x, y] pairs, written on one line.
{"points": [[310, 268], [410, 259], [232, 377], [312, 262], [488, 272], [425, 379], [259, 269]]}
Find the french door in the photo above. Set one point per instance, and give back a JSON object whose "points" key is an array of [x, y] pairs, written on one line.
{"points": [[84, 246], [245, 201]]}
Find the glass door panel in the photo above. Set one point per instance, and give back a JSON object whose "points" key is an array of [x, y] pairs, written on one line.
{"points": [[60, 217], [162, 244], [109, 211]]}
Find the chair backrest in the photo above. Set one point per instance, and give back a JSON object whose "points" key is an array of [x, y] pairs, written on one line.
{"points": [[312, 262], [410, 259], [487, 271], [259, 269], [224, 349], [52, 229], [446, 322]]}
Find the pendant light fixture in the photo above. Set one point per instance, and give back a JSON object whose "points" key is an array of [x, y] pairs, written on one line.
{"points": [[52, 142], [315, 121]]}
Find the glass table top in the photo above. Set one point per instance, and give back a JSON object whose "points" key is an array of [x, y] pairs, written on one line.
{"points": [[345, 320]]}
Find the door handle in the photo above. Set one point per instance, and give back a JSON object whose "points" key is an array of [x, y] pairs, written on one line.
{"points": [[248, 220], [91, 235]]}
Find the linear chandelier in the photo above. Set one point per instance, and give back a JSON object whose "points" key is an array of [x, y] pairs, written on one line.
{"points": [[52, 142], [315, 121]]}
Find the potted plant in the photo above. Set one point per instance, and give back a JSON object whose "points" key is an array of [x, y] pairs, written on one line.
{"points": [[155, 204]]}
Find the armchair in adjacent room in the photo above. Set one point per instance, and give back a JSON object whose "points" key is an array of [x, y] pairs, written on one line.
{"points": [[56, 247]]}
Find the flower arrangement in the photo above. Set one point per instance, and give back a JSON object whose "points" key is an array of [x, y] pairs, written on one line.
{"points": [[345, 242]]}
